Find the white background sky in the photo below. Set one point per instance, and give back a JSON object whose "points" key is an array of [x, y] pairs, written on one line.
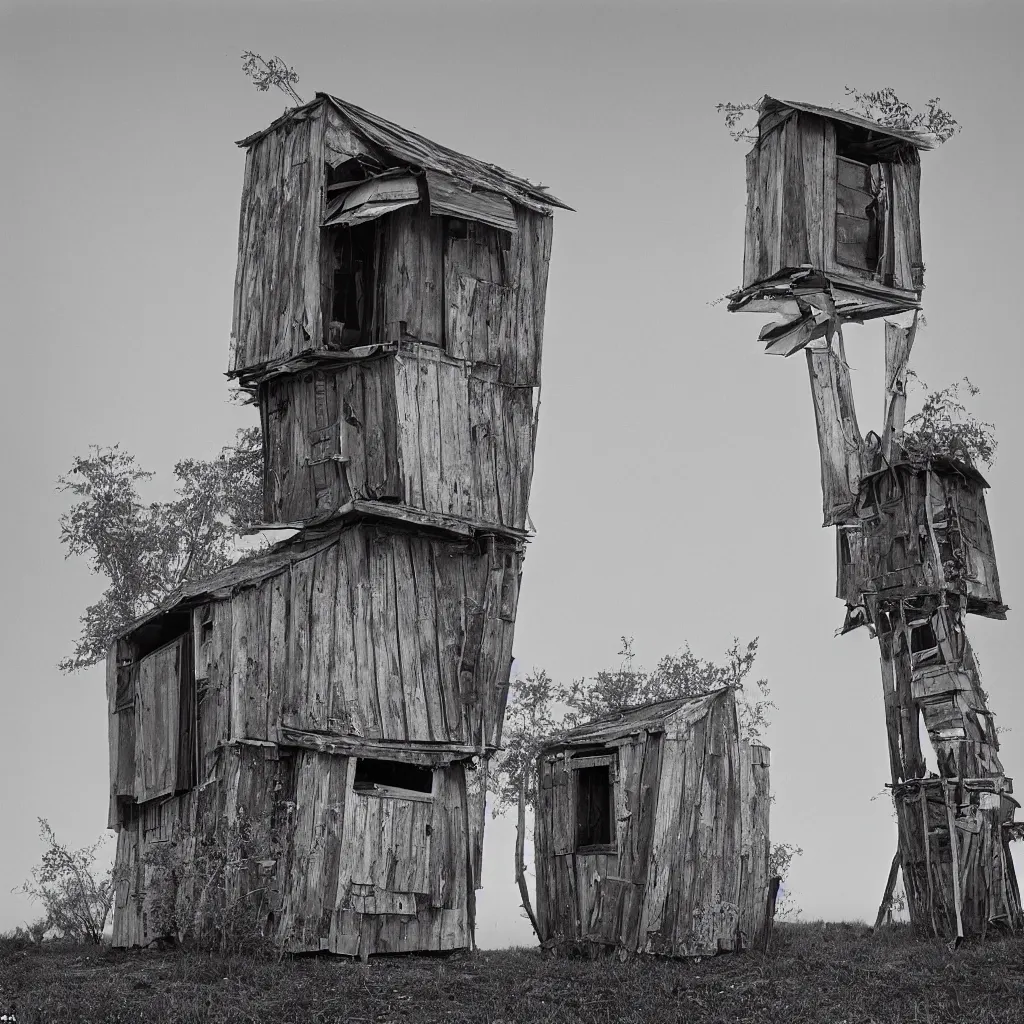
{"points": [[676, 492]]}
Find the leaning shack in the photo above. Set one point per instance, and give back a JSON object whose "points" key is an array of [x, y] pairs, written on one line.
{"points": [[652, 832], [304, 737]]}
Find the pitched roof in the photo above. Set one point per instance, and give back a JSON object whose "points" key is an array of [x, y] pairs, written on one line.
{"points": [[408, 147], [920, 140], [653, 716]]}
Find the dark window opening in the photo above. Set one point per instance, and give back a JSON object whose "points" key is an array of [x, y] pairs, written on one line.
{"points": [[350, 278], [845, 555], [922, 638], [159, 632], [859, 213], [594, 806], [389, 778]]}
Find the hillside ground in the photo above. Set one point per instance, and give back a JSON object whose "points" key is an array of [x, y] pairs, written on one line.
{"points": [[833, 974]]}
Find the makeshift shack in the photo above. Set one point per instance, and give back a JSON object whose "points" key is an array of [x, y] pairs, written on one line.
{"points": [[651, 832], [388, 318], [832, 223], [917, 529], [339, 695]]}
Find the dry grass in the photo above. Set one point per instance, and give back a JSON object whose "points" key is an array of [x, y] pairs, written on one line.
{"points": [[834, 974]]}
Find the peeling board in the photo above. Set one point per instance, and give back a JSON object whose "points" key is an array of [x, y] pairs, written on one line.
{"points": [[450, 197]]}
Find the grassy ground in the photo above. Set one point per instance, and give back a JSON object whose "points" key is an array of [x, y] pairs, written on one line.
{"points": [[837, 974]]}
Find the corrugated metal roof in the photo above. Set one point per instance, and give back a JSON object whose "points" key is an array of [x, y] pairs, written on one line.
{"points": [[920, 140], [654, 716], [409, 147]]}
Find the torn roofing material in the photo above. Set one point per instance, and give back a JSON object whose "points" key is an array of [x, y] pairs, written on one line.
{"points": [[403, 146], [653, 717], [769, 105]]}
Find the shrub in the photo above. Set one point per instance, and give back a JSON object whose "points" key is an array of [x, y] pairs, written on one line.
{"points": [[75, 899]]}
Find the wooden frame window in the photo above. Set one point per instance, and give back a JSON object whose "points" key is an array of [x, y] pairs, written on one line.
{"points": [[381, 778], [594, 792]]}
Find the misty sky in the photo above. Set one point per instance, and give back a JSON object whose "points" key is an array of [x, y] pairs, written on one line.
{"points": [[676, 493]]}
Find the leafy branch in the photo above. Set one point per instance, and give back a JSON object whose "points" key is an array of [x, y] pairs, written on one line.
{"points": [[885, 107], [882, 106], [148, 551], [265, 73], [944, 428]]}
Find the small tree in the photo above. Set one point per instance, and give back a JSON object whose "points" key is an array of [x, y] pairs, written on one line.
{"points": [[76, 900], [147, 551]]}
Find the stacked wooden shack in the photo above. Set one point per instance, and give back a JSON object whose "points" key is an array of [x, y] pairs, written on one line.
{"points": [[652, 832], [303, 738], [833, 236]]}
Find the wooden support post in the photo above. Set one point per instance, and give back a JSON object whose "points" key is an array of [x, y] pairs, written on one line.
{"points": [[885, 907], [524, 890]]}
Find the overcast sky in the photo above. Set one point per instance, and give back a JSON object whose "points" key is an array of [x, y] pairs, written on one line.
{"points": [[676, 493]]}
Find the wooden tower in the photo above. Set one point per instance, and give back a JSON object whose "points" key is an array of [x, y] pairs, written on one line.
{"points": [[299, 744], [833, 236]]}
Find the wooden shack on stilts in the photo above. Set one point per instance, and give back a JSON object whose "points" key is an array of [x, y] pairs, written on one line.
{"points": [[833, 236], [651, 832], [299, 744]]}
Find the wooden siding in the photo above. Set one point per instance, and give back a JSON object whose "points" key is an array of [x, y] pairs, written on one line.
{"points": [[688, 871], [337, 869], [277, 282], [413, 426]]}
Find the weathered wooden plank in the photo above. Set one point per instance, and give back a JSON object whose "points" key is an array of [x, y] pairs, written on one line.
{"points": [[390, 675], [250, 663], [113, 737], [156, 723], [448, 599], [293, 710], [898, 343], [812, 144], [406, 383], [277, 657], [422, 710], [412, 276], [828, 205], [752, 222], [839, 440], [794, 249], [323, 601], [455, 467], [484, 450], [429, 421], [368, 693], [907, 266]]}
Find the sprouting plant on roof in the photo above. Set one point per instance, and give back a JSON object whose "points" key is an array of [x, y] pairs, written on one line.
{"points": [[944, 428], [737, 121], [885, 107], [265, 73], [882, 106]]}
